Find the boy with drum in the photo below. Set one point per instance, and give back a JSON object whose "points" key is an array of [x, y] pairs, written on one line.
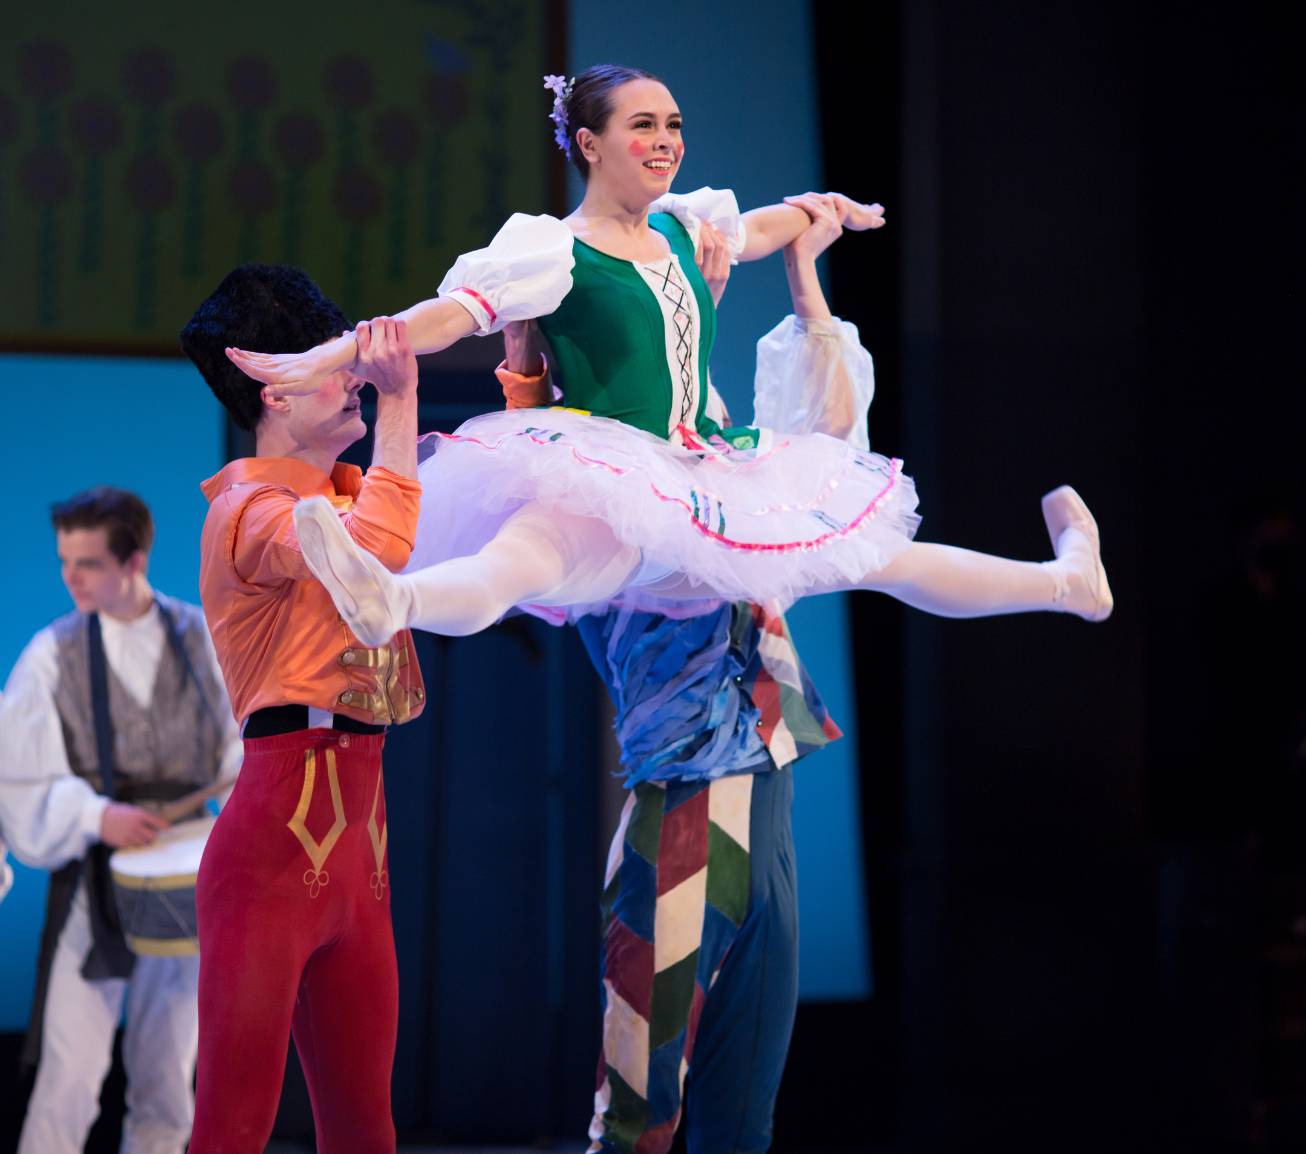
{"points": [[117, 703], [293, 894]]}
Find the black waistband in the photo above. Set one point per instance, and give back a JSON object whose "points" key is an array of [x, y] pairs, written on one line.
{"points": [[291, 718]]}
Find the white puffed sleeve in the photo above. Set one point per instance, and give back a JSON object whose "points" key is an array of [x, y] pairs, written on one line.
{"points": [[49, 815], [717, 206], [524, 273], [813, 376]]}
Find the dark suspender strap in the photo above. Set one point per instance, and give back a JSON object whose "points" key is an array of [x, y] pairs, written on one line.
{"points": [[108, 956], [100, 704]]}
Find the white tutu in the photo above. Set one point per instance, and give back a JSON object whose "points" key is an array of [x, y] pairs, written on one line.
{"points": [[763, 523]]}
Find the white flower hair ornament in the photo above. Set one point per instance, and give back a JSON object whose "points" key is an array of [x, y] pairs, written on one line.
{"points": [[561, 88]]}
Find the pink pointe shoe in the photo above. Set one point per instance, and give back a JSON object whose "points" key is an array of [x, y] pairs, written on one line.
{"points": [[1082, 587], [366, 593]]}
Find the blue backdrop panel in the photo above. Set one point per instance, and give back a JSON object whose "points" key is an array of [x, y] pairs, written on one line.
{"points": [[746, 85], [146, 425]]}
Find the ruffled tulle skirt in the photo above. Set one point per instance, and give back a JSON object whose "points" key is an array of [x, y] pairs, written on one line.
{"points": [[763, 517]]}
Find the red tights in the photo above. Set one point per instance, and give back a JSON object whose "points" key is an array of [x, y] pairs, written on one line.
{"points": [[295, 938]]}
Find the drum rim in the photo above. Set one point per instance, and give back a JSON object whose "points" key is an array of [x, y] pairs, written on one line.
{"points": [[163, 947], [155, 881]]}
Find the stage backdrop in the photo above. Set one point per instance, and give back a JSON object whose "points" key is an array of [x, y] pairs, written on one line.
{"points": [[141, 159]]}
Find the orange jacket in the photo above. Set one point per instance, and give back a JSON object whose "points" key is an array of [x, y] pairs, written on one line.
{"points": [[279, 638]]}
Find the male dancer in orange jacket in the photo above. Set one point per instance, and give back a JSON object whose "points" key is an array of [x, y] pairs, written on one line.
{"points": [[293, 895]]}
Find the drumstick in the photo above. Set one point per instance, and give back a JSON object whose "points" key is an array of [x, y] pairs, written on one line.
{"points": [[169, 811], [183, 805]]}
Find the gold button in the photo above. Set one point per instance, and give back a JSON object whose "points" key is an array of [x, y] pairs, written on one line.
{"points": [[344, 741], [417, 693]]}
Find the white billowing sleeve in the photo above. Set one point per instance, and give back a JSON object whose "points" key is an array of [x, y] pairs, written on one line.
{"points": [[48, 815], [814, 376], [717, 206], [523, 273]]}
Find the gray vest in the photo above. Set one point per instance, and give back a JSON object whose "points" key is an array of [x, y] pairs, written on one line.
{"points": [[175, 739]]}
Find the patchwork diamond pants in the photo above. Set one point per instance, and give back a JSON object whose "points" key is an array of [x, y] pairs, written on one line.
{"points": [[699, 967], [295, 938]]}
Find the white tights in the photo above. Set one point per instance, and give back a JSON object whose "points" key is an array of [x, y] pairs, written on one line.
{"points": [[544, 558], [538, 557]]}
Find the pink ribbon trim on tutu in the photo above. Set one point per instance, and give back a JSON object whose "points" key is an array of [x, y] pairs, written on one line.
{"points": [[789, 546], [616, 470]]}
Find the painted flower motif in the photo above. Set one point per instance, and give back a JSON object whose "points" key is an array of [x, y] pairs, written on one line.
{"points": [[299, 139], [252, 187], [96, 125], [45, 69], [348, 82], [198, 131], [358, 195], [251, 83], [46, 175], [151, 185], [446, 98], [149, 77], [395, 136]]}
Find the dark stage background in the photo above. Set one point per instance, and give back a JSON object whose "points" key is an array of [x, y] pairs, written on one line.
{"points": [[1084, 853]]}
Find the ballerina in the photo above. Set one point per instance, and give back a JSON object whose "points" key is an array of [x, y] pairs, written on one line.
{"points": [[634, 495]]}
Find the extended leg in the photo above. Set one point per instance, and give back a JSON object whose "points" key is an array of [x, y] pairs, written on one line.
{"points": [[951, 582], [537, 556]]}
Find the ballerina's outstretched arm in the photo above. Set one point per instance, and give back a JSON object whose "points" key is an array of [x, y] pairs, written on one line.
{"points": [[772, 228], [432, 325]]}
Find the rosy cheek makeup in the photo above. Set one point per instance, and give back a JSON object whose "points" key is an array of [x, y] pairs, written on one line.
{"points": [[638, 148]]}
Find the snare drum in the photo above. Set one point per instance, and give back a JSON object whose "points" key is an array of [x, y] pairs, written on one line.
{"points": [[154, 887]]}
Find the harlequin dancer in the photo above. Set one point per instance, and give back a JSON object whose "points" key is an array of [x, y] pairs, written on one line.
{"points": [[293, 892], [642, 497], [700, 960]]}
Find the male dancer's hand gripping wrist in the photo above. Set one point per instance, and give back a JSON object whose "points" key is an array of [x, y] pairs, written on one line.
{"points": [[387, 362]]}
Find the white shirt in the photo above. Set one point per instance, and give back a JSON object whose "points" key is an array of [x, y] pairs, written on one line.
{"points": [[48, 815]]}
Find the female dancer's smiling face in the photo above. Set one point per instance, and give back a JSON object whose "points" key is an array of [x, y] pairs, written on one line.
{"points": [[640, 148]]}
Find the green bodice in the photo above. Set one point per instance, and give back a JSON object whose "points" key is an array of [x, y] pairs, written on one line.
{"points": [[608, 342]]}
